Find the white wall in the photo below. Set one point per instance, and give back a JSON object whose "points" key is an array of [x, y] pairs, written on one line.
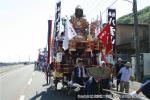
{"points": [[146, 64]]}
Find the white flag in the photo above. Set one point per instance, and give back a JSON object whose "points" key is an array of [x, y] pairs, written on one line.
{"points": [[69, 34], [69, 30], [99, 25]]}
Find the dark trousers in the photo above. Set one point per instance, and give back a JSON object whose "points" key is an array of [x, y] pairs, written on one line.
{"points": [[104, 84], [79, 80], [118, 80]]}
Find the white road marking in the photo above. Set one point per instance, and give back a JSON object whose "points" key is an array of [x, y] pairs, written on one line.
{"points": [[12, 72], [22, 97], [29, 82]]}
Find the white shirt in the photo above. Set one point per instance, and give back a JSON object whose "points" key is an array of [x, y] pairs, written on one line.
{"points": [[125, 74], [79, 71]]}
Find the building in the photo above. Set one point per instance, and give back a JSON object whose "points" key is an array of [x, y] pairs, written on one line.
{"points": [[125, 38]]}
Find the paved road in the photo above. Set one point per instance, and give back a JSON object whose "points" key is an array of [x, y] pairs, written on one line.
{"points": [[26, 84], [13, 82], [23, 83], [6, 69]]}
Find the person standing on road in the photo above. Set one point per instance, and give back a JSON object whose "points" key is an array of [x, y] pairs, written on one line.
{"points": [[45, 70], [118, 66], [126, 73], [51, 74]]}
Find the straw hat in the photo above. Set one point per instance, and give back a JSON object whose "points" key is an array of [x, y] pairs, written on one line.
{"points": [[128, 64], [99, 72]]}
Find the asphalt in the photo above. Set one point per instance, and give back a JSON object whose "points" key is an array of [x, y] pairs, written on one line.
{"points": [[6, 69], [133, 86], [12, 82], [24, 83]]}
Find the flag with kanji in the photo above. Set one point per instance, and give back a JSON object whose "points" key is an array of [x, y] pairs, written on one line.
{"points": [[105, 37], [69, 34], [108, 44]]}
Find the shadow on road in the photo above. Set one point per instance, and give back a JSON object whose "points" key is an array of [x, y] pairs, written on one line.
{"points": [[52, 94]]}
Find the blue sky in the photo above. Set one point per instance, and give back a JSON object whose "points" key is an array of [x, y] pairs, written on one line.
{"points": [[23, 23]]}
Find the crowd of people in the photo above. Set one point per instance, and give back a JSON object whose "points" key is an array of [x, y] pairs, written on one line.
{"points": [[86, 83], [93, 85]]}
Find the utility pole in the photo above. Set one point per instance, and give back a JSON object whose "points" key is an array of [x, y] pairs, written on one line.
{"points": [[29, 59], [137, 48]]}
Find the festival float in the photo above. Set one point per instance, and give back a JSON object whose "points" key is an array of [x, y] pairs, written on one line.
{"points": [[85, 46]]}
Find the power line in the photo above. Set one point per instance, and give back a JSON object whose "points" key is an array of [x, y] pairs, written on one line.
{"points": [[109, 6], [103, 4]]}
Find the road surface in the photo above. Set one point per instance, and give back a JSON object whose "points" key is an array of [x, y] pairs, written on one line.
{"points": [[24, 83]]}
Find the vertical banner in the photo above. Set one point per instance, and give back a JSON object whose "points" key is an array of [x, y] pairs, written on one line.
{"points": [[57, 26], [49, 57], [112, 22], [57, 18]]}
